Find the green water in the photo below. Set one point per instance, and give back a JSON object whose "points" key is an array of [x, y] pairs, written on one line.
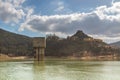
{"points": [[60, 70]]}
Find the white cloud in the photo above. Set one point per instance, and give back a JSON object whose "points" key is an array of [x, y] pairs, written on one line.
{"points": [[30, 11], [103, 20], [61, 7], [10, 12], [16, 3], [107, 38]]}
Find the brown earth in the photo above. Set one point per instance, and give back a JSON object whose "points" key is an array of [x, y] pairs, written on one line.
{"points": [[4, 57]]}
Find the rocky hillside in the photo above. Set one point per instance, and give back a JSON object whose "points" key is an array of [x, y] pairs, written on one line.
{"points": [[15, 44], [78, 45]]}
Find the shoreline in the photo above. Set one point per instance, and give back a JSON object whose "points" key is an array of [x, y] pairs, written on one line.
{"points": [[86, 58], [8, 58]]}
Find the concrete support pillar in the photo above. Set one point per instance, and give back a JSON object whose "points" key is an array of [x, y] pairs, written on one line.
{"points": [[39, 54], [39, 44]]}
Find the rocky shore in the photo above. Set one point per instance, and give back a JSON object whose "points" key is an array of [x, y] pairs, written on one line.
{"points": [[4, 57]]}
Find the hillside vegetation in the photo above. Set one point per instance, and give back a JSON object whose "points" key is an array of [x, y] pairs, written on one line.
{"points": [[78, 45], [14, 44]]}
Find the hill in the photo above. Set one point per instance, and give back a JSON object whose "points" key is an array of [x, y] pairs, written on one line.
{"points": [[117, 44], [14, 44], [77, 45]]}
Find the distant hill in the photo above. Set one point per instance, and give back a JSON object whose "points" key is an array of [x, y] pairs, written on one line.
{"points": [[15, 44], [78, 45], [79, 34], [117, 44]]}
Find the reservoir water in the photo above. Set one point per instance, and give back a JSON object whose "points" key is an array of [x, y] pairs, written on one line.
{"points": [[60, 70]]}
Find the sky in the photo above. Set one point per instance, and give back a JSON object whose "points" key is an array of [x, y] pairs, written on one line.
{"points": [[37, 18]]}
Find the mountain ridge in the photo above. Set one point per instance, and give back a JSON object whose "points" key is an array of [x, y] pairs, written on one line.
{"points": [[12, 43], [116, 44], [78, 45]]}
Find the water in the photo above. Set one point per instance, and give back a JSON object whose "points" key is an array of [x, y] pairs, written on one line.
{"points": [[60, 70]]}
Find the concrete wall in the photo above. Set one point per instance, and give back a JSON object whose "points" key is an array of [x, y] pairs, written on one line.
{"points": [[39, 42]]}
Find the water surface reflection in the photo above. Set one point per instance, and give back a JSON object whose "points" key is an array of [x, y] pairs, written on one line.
{"points": [[39, 70], [60, 70]]}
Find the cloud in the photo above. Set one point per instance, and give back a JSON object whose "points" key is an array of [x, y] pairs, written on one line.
{"points": [[16, 3], [60, 7], [10, 10], [103, 20], [107, 38]]}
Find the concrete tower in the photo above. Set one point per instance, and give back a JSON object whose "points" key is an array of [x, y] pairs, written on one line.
{"points": [[39, 45]]}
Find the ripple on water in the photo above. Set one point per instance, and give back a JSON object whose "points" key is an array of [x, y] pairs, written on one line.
{"points": [[60, 70]]}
